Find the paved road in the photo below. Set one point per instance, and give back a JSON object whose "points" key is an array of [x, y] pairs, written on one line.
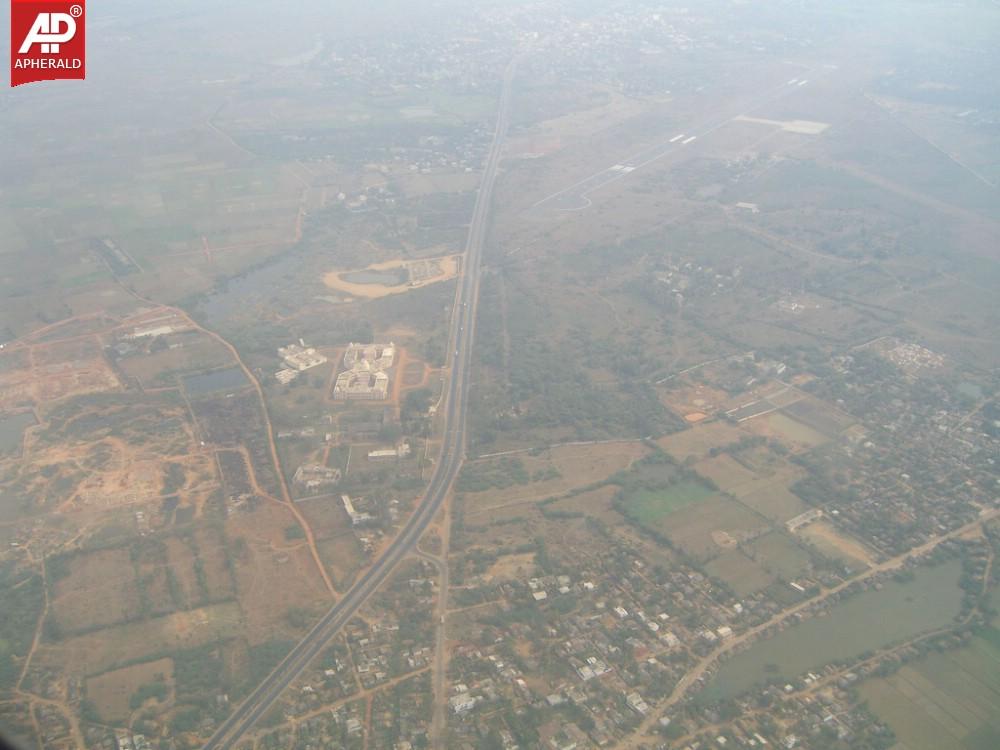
{"points": [[452, 453]]}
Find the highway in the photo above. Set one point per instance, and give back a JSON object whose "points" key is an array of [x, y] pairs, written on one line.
{"points": [[450, 459]]}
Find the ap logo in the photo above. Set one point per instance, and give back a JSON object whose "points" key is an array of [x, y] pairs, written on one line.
{"points": [[46, 41], [46, 31]]}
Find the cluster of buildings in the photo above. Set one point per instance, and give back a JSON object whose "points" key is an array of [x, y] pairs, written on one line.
{"points": [[358, 510], [297, 358], [364, 377], [402, 450], [158, 325], [629, 634], [923, 460], [313, 476]]}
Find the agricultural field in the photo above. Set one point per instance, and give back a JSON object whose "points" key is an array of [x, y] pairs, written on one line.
{"points": [[494, 484], [944, 701], [651, 507], [741, 573], [716, 524], [116, 694]]}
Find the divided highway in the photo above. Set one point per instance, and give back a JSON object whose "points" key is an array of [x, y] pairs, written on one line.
{"points": [[449, 461]]}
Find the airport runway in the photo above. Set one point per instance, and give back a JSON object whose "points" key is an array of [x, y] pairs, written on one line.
{"points": [[575, 197]]}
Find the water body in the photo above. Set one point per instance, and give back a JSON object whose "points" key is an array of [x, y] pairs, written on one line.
{"points": [[243, 293], [868, 621], [12, 429], [221, 380]]}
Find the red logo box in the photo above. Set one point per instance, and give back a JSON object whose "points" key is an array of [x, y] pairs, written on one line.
{"points": [[47, 41]]}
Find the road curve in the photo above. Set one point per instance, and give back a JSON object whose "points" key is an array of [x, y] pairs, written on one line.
{"points": [[449, 461]]}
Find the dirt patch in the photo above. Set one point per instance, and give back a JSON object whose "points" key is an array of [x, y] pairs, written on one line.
{"points": [[420, 272], [414, 374], [723, 538], [511, 567], [273, 574], [693, 399], [826, 537], [795, 435]]}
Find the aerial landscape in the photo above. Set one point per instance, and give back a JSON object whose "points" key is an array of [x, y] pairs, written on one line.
{"points": [[501, 374]]}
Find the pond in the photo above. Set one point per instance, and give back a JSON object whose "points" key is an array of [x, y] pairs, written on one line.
{"points": [[244, 292], [12, 428], [865, 622], [229, 379]]}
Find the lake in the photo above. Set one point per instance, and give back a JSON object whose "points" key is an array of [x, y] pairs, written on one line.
{"points": [[868, 621], [12, 428]]}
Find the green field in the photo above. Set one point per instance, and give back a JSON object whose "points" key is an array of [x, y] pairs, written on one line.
{"points": [[870, 620], [649, 506], [944, 701]]}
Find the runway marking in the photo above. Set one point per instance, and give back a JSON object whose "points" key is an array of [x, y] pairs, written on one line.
{"points": [[642, 158]]}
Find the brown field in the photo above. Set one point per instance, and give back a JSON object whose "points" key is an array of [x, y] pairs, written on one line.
{"points": [[129, 482], [447, 268], [96, 652], [181, 558], [414, 374], [579, 466], [699, 440], [99, 591], [110, 692], [273, 574], [551, 134], [779, 555], [596, 503], [694, 527], [194, 351], [830, 542], [53, 377], [325, 515], [343, 556], [211, 550], [520, 511], [820, 416], [740, 573], [511, 567], [128, 473], [685, 398], [795, 435], [726, 472], [773, 499]]}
